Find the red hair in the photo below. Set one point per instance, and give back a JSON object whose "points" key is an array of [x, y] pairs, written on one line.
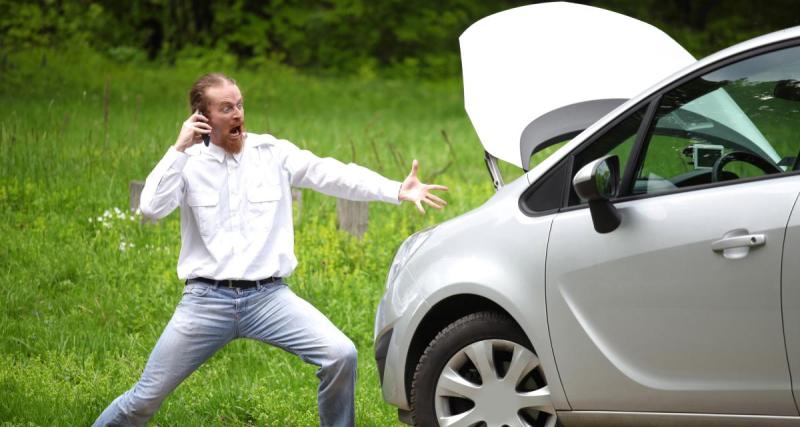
{"points": [[197, 95]]}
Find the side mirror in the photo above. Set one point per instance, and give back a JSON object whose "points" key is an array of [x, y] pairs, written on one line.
{"points": [[595, 183]]}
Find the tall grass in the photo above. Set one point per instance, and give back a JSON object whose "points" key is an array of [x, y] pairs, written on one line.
{"points": [[85, 293]]}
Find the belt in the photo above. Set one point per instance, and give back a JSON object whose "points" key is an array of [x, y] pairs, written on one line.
{"points": [[241, 284]]}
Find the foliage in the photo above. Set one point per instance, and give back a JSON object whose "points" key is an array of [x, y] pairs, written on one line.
{"points": [[30, 24], [405, 38]]}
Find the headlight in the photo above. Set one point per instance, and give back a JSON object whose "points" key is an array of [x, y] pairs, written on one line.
{"points": [[405, 252]]}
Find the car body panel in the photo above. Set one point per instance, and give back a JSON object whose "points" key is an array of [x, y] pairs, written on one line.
{"points": [[652, 313], [440, 271], [481, 254], [479, 269], [790, 286], [514, 71]]}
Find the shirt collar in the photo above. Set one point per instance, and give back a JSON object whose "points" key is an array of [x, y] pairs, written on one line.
{"points": [[238, 156], [218, 153]]}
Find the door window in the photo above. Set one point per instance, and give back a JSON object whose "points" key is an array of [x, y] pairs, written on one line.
{"points": [[741, 121]]}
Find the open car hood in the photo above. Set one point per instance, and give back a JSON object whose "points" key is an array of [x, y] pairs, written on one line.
{"points": [[549, 70]]}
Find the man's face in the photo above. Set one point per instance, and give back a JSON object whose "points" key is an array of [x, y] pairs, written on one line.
{"points": [[226, 116]]}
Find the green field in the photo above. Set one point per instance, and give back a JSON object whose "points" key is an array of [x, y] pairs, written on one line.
{"points": [[86, 289]]}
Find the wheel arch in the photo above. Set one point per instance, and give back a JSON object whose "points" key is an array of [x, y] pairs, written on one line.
{"points": [[440, 315]]}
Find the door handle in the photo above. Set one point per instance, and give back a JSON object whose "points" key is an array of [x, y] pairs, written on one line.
{"points": [[746, 241]]}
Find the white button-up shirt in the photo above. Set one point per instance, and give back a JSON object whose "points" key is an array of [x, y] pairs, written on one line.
{"points": [[236, 210]]}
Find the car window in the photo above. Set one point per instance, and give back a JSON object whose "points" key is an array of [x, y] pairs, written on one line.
{"points": [[547, 193], [741, 121], [618, 140]]}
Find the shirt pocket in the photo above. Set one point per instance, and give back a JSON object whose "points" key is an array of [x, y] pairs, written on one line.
{"points": [[262, 204], [204, 206]]}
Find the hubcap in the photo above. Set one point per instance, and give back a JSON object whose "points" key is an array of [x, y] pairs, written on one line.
{"points": [[493, 383]]}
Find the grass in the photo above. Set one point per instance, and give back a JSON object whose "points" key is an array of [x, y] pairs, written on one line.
{"points": [[86, 293]]}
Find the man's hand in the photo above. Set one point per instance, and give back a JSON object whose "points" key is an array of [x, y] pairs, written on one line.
{"points": [[192, 131], [413, 190]]}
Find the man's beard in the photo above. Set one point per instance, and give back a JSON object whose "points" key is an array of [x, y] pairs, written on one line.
{"points": [[233, 145]]}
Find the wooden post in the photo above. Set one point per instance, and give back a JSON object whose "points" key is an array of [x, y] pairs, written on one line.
{"points": [[353, 216]]}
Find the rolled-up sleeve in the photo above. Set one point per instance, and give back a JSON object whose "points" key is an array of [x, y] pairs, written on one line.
{"points": [[334, 178], [163, 188]]}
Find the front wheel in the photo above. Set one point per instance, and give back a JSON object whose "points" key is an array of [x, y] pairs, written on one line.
{"points": [[481, 371]]}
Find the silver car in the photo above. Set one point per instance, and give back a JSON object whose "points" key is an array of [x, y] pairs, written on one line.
{"points": [[646, 272]]}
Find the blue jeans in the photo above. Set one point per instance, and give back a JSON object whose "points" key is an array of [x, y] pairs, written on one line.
{"points": [[208, 317]]}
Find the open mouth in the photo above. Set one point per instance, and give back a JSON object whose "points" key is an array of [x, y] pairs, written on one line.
{"points": [[236, 131]]}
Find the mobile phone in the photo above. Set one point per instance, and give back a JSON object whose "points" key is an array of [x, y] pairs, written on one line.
{"points": [[206, 137]]}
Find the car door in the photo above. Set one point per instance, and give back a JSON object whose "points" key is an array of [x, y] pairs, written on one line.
{"points": [[679, 308], [791, 297]]}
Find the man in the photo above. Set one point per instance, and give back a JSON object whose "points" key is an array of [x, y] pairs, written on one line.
{"points": [[237, 245]]}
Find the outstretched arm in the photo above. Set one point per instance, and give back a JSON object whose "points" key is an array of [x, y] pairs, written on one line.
{"points": [[415, 191], [332, 177]]}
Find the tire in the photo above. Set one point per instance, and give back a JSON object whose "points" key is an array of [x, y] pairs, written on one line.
{"points": [[481, 371]]}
